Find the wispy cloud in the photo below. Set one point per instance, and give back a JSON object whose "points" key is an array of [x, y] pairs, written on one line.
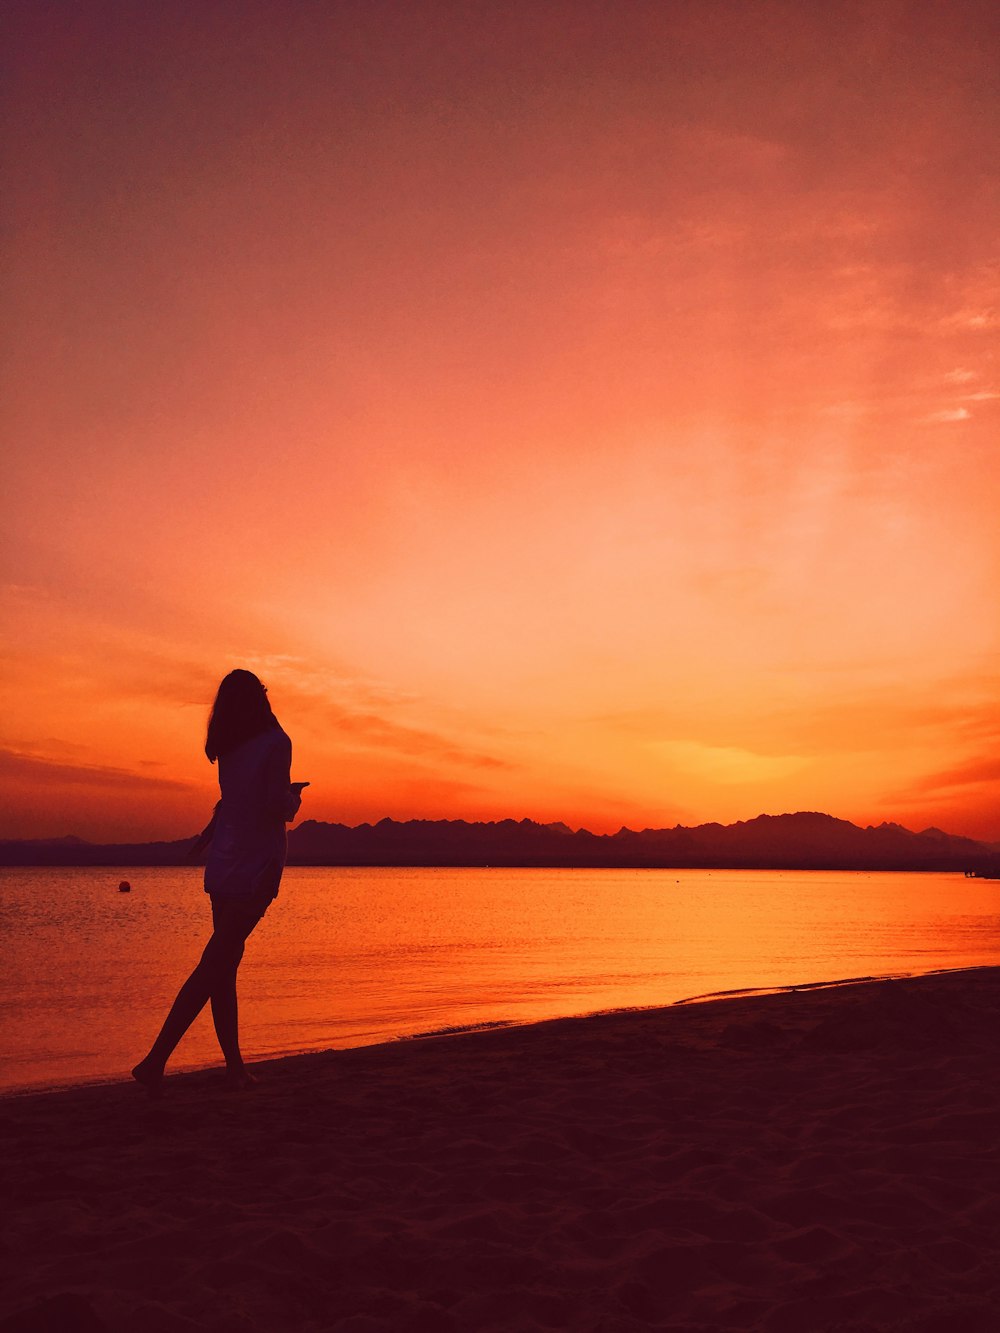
{"points": [[972, 319], [975, 771], [345, 705], [374, 731], [947, 416], [326, 679], [19, 766]]}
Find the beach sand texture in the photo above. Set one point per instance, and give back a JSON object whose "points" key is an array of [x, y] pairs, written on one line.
{"points": [[804, 1162]]}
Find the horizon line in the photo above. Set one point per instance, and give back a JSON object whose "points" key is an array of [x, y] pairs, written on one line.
{"points": [[527, 819]]}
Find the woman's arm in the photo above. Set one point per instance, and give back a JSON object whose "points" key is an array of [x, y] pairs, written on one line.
{"points": [[280, 802]]}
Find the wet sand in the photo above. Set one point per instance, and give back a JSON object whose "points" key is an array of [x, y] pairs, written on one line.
{"points": [[819, 1161]]}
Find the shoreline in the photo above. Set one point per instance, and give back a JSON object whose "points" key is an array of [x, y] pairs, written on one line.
{"points": [[487, 1026], [810, 1159]]}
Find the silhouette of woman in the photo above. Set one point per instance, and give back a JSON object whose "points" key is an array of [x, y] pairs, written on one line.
{"points": [[243, 870]]}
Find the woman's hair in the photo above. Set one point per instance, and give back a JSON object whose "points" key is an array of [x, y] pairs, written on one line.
{"points": [[240, 711]]}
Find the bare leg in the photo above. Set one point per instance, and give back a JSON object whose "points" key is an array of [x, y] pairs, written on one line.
{"points": [[214, 978], [191, 999], [225, 1016]]}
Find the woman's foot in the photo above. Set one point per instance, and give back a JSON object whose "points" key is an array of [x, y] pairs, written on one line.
{"points": [[240, 1079], [150, 1077]]}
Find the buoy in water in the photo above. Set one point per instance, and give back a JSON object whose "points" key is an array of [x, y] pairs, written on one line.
{"points": [[124, 887]]}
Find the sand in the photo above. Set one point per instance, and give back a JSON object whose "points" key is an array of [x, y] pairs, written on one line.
{"points": [[802, 1162]]}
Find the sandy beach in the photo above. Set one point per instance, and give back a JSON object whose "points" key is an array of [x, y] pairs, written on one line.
{"points": [[815, 1161]]}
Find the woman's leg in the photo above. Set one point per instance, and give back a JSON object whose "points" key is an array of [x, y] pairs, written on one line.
{"points": [[236, 921], [225, 1015], [215, 978]]}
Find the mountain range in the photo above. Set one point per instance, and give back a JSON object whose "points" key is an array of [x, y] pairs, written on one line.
{"points": [[803, 841]]}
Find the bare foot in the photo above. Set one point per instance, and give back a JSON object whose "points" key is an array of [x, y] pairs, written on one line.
{"points": [[150, 1077], [240, 1080]]}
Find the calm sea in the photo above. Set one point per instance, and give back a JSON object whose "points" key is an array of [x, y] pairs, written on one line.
{"points": [[349, 957]]}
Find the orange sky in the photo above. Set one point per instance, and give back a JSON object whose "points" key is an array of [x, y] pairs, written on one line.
{"points": [[569, 411]]}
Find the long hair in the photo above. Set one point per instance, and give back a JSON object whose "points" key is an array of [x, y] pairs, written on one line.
{"points": [[241, 710]]}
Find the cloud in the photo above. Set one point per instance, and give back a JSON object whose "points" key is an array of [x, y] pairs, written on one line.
{"points": [[959, 714], [377, 732], [329, 679], [336, 701], [960, 376], [972, 319], [101, 661], [19, 766], [326, 696], [888, 719], [357, 708], [973, 772], [947, 415], [415, 796]]}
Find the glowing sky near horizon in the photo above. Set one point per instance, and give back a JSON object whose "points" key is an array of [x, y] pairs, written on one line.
{"points": [[570, 411]]}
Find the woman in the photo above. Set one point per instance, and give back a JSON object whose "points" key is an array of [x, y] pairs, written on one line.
{"points": [[244, 865]]}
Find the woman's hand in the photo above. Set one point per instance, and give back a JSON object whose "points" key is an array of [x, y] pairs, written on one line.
{"points": [[294, 799]]}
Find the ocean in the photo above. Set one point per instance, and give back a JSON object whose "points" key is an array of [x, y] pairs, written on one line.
{"points": [[356, 956]]}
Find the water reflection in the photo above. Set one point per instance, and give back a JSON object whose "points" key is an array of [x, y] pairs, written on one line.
{"points": [[351, 956]]}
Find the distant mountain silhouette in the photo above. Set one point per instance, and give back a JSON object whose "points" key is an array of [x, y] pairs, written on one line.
{"points": [[804, 841]]}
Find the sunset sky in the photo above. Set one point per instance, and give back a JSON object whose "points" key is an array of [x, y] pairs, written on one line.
{"points": [[570, 410]]}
